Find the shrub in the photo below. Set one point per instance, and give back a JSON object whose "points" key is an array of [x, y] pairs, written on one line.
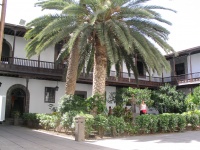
{"points": [[164, 122], [96, 104], [194, 119], [143, 122], [153, 124], [44, 120], [71, 103], [89, 123], [67, 120], [173, 122], [181, 122], [101, 122], [116, 123]]}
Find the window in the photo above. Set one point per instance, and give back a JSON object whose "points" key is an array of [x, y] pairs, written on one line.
{"points": [[82, 94], [140, 68], [49, 95], [180, 69]]}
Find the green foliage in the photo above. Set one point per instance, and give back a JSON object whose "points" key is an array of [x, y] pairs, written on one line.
{"points": [[153, 123], [118, 111], [15, 114], [71, 103], [181, 122], [89, 123], [168, 100], [124, 95], [173, 122], [55, 120], [100, 121], [96, 101], [130, 129], [193, 100], [164, 122], [118, 123], [67, 120], [190, 103], [194, 120], [123, 28], [143, 122], [29, 116], [44, 120]]}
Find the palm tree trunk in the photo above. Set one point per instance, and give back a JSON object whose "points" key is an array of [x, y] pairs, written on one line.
{"points": [[71, 76], [99, 71]]}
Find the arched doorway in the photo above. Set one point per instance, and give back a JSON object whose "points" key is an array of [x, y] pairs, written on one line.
{"points": [[6, 50], [17, 100]]}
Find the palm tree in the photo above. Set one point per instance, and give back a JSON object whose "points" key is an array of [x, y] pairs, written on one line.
{"points": [[107, 31], [51, 29], [117, 30]]}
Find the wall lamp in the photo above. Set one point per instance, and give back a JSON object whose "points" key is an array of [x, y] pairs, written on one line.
{"points": [[0, 84]]}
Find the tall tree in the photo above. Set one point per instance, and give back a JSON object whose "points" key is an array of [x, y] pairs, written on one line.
{"points": [[108, 33], [51, 29]]}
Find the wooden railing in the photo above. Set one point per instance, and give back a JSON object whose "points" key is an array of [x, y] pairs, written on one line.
{"points": [[56, 71], [191, 78], [26, 67]]}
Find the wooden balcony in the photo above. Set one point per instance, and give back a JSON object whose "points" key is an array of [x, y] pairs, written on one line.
{"points": [[26, 68], [188, 79], [17, 67]]}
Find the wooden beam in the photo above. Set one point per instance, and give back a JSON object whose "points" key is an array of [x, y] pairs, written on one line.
{"points": [[3, 16]]}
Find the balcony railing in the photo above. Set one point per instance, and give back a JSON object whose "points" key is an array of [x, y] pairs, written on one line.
{"points": [[50, 70], [191, 78], [21, 66]]}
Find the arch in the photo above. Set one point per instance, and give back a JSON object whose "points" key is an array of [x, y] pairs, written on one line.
{"points": [[22, 93], [6, 49]]}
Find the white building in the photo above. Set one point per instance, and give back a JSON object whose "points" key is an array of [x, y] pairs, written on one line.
{"points": [[30, 85]]}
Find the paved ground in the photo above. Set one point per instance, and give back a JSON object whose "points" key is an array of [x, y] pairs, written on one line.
{"points": [[20, 138]]}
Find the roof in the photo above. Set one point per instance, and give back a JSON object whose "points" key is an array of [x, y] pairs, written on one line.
{"points": [[11, 28], [193, 50]]}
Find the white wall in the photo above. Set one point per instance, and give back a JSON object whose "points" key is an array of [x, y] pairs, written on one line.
{"points": [[20, 43], [37, 91], [194, 62]]}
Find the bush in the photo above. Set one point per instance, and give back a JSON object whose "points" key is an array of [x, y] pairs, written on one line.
{"points": [[153, 124], [44, 120], [101, 122], [67, 120], [116, 125], [164, 122], [71, 103], [181, 122], [143, 123], [89, 123]]}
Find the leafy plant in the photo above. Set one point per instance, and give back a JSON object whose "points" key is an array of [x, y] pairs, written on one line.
{"points": [[67, 120], [89, 123], [96, 104], [71, 103], [101, 122], [164, 122], [193, 100], [169, 100]]}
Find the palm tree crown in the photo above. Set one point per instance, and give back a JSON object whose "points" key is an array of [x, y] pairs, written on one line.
{"points": [[108, 32]]}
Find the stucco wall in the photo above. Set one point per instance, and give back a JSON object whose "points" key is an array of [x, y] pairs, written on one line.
{"points": [[37, 90], [19, 52], [194, 63]]}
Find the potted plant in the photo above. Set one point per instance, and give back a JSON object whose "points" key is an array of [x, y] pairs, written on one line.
{"points": [[16, 115]]}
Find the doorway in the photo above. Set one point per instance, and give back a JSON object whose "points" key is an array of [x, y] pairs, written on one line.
{"points": [[17, 99]]}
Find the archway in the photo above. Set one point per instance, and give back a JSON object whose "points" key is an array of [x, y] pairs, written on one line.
{"points": [[17, 99], [6, 50]]}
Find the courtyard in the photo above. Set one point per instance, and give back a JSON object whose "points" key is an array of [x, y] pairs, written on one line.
{"points": [[21, 138]]}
